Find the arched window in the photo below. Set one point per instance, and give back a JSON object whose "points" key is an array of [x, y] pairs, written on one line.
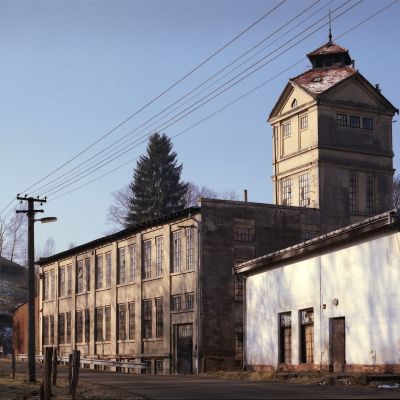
{"points": [[294, 103]]}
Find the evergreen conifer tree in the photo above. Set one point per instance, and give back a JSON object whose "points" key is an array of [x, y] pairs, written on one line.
{"points": [[156, 188]]}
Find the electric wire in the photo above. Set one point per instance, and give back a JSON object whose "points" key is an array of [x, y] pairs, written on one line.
{"points": [[161, 94], [172, 121], [107, 149], [229, 104], [187, 111]]}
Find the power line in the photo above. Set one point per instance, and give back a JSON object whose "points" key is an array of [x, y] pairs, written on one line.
{"points": [[90, 171], [187, 111], [107, 149], [231, 103], [160, 95]]}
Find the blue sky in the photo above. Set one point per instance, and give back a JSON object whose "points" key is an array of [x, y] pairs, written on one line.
{"points": [[73, 70]]}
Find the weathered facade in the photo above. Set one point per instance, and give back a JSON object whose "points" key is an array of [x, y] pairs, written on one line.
{"points": [[330, 304], [332, 141], [163, 292]]}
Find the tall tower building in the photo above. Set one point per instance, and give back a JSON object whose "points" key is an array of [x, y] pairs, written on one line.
{"points": [[332, 141]]}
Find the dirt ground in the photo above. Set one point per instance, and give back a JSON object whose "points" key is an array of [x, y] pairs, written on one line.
{"points": [[19, 389]]}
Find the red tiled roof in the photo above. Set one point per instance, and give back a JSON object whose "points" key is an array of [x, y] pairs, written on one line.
{"points": [[328, 48], [317, 81]]}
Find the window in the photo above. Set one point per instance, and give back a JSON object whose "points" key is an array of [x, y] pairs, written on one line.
{"points": [[239, 341], [285, 338], [46, 330], [132, 262], [79, 276], [286, 129], [121, 265], [189, 301], [159, 256], [107, 314], [238, 287], [369, 193], [368, 124], [99, 271], [317, 79], [51, 329], [61, 282], [147, 318], [52, 284], [131, 310], [79, 327], [244, 233], [108, 269], [176, 303], [307, 336], [46, 286], [177, 251], [68, 324], [121, 322], [87, 326], [190, 249], [61, 328], [159, 318], [353, 192], [87, 268], [69, 279], [147, 259], [341, 119], [287, 192], [294, 103], [304, 122], [99, 324], [304, 190], [354, 121]]}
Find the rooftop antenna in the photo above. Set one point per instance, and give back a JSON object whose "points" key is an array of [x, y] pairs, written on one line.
{"points": [[330, 28]]}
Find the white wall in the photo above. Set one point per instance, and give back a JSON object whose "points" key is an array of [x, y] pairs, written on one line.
{"points": [[364, 277]]}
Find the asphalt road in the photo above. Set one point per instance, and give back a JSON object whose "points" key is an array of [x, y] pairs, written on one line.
{"points": [[165, 387]]}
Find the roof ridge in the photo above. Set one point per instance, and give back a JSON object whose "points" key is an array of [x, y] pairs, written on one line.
{"points": [[328, 44]]}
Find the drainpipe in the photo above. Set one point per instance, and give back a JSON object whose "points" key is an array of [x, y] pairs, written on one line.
{"points": [[244, 361]]}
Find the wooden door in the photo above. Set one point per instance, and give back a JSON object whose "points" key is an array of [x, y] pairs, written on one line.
{"points": [[338, 344]]}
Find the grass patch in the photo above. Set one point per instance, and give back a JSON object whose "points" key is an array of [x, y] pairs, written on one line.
{"points": [[19, 389]]}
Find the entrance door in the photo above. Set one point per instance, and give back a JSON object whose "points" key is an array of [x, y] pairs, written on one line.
{"points": [[184, 349], [338, 345]]}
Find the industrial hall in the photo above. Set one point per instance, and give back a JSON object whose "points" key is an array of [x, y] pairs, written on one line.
{"points": [[164, 292]]}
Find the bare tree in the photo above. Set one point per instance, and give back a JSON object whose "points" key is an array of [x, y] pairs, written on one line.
{"points": [[118, 211], [3, 231], [396, 191], [15, 249], [49, 247], [195, 193]]}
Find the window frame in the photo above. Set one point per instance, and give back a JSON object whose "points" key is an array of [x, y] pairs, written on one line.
{"points": [[121, 266], [286, 191], [355, 121], [341, 119], [286, 129], [147, 259], [159, 256], [177, 251], [303, 122]]}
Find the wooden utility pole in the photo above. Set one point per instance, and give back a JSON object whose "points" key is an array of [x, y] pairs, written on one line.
{"points": [[31, 281], [47, 373]]}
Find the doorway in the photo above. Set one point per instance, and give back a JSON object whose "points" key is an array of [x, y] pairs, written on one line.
{"points": [[338, 344], [184, 349]]}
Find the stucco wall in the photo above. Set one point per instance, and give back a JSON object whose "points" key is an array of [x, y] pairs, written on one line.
{"points": [[363, 276]]}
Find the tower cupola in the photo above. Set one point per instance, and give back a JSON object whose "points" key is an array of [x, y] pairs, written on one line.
{"points": [[329, 55]]}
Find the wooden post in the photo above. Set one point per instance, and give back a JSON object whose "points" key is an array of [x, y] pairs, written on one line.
{"points": [[13, 363], [75, 372], [70, 374], [54, 367], [47, 373]]}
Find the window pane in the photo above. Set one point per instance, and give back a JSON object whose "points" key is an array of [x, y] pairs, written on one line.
{"points": [[159, 256], [341, 119], [352, 192], [121, 322], [354, 121], [79, 276], [121, 265], [99, 325], [108, 269], [287, 192], [147, 317], [190, 249], [304, 190], [159, 318], [177, 252], [108, 323], [87, 268], [147, 259], [286, 129], [369, 193], [367, 123], [131, 321], [99, 271], [132, 262]]}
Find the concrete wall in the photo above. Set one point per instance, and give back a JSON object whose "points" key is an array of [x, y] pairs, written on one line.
{"points": [[363, 277]]}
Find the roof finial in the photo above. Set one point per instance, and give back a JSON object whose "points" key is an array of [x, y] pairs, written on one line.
{"points": [[330, 28]]}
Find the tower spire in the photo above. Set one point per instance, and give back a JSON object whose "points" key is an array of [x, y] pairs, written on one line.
{"points": [[330, 29]]}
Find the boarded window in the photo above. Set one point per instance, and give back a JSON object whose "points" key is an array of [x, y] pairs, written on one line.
{"points": [[285, 338]]}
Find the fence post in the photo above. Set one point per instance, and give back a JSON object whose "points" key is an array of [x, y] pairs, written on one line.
{"points": [[13, 363], [75, 372], [54, 367], [69, 373], [47, 373]]}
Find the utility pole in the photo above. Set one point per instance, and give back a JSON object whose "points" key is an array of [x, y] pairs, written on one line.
{"points": [[31, 281]]}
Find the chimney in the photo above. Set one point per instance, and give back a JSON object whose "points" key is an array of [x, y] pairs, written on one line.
{"points": [[377, 87], [245, 195]]}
